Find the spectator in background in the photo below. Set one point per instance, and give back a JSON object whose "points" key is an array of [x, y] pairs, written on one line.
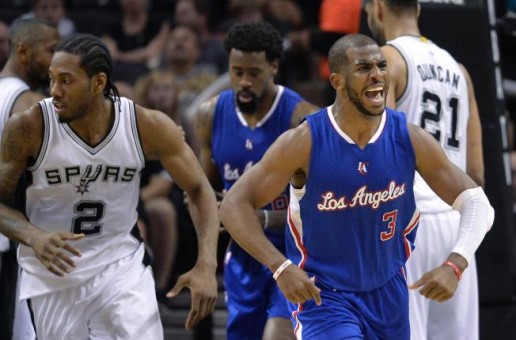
{"points": [[55, 12], [243, 11], [336, 18], [158, 216], [135, 41], [194, 14], [182, 59], [4, 43]]}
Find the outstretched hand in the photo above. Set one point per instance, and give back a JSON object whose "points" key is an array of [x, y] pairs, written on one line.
{"points": [[49, 250], [203, 289], [438, 284], [297, 287]]}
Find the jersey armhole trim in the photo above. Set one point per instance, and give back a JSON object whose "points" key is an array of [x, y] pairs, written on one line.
{"points": [[406, 90], [46, 136], [136, 132]]}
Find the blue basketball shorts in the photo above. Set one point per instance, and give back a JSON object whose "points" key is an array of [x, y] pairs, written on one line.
{"points": [[252, 295], [378, 314]]}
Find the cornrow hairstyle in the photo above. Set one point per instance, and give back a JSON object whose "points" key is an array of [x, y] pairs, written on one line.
{"points": [[95, 58], [256, 36]]}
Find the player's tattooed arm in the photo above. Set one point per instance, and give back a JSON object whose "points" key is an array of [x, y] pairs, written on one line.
{"points": [[21, 142], [15, 150]]}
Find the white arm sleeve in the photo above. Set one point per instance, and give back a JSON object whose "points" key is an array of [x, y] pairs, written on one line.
{"points": [[476, 218]]}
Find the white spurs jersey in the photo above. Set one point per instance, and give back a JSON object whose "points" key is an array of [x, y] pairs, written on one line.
{"points": [[84, 189], [436, 98], [10, 89]]}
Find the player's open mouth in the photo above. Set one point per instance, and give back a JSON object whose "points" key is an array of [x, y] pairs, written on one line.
{"points": [[58, 106], [245, 98], [375, 94]]}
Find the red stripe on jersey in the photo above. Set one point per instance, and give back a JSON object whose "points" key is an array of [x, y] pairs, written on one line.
{"points": [[412, 225], [297, 238], [294, 315]]}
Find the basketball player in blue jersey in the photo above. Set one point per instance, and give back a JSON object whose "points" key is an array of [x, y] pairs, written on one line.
{"points": [[235, 129], [32, 43], [84, 270], [444, 104], [352, 216]]}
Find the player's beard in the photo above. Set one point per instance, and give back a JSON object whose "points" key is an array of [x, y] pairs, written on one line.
{"points": [[39, 79], [249, 107], [355, 99]]}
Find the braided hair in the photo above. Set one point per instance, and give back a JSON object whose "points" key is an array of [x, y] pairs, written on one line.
{"points": [[95, 58]]}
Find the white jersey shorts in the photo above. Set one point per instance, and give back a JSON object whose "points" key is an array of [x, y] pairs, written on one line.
{"points": [[118, 303], [457, 318]]}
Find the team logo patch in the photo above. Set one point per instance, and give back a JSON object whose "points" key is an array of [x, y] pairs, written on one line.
{"points": [[362, 167], [87, 178], [248, 144]]}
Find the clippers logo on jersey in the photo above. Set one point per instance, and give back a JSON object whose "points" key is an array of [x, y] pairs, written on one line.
{"points": [[86, 179], [104, 173], [234, 174], [362, 167], [362, 197], [248, 144]]}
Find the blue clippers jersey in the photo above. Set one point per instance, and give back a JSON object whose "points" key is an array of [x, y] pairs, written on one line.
{"points": [[354, 226], [236, 147]]}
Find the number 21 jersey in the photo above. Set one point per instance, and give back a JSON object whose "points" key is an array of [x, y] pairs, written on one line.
{"points": [[436, 98]]}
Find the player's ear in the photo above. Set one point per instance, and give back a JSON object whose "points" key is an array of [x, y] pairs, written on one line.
{"points": [[275, 66], [336, 80], [22, 52], [99, 82]]}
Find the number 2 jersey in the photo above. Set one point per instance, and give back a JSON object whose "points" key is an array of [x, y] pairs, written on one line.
{"points": [[353, 224], [84, 189], [436, 98]]}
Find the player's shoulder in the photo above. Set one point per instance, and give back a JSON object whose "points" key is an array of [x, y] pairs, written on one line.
{"points": [[208, 107], [147, 117], [25, 127], [26, 100]]}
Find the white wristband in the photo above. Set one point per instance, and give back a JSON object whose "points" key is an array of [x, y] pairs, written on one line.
{"points": [[281, 268], [265, 219]]}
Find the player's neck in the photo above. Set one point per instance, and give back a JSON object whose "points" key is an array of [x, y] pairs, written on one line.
{"points": [[263, 108], [399, 27], [359, 127], [94, 126], [12, 69]]}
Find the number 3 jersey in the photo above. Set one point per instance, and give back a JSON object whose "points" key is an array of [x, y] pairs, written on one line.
{"points": [[436, 98], [353, 224], [86, 189]]}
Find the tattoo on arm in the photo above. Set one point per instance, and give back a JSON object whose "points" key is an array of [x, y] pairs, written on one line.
{"points": [[15, 142]]}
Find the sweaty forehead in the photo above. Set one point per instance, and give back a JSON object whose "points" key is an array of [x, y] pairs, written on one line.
{"points": [[369, 53]]}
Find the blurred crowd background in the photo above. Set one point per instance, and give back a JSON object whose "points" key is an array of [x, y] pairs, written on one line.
{"points": [[169, 55]]}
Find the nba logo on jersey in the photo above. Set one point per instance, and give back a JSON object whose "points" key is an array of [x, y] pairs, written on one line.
{"points": [[362, 168], [248, 144]]}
